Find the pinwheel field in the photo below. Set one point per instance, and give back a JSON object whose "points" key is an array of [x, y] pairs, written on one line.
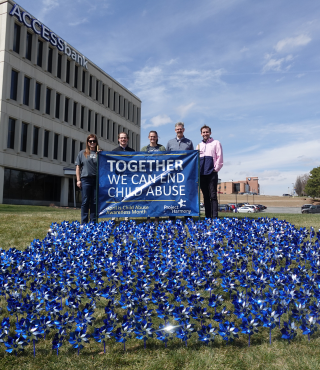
{"points": [[233, 293]]}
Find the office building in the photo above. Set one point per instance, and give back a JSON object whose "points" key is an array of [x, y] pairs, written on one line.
{"points": [[51, 98]]}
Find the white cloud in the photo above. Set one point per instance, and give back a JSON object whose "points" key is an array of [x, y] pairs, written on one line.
{"points": [[244, 49], [80, 21], [183, 109], [50, 4], [300, 75], [160, 120], [277, 65], [292, 42]]}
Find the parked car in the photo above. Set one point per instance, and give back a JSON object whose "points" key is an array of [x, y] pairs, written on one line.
{"points": [[255, 209], [201, 205], [224, 208], [305, 206], [286, 195], [245, 209], [262, 206], [312, 209]]}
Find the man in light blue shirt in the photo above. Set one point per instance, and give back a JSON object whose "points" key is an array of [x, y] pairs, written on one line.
{"points": [[179, 142]]}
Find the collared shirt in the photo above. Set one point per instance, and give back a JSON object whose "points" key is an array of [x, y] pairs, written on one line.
{"points": [[122, 149], [179, 144], [211, 156]]}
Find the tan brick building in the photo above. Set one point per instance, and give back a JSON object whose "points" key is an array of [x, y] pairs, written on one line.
{"points": [[250, 184]]}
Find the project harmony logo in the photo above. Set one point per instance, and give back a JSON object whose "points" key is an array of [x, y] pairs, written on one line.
{"points": [[40, 29], [177, 209]]}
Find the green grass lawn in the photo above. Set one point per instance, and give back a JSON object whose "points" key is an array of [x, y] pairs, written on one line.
{"points": [[19, 225]]}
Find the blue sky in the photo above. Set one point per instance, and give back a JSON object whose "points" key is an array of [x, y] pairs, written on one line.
{"points": [[250, 69]]}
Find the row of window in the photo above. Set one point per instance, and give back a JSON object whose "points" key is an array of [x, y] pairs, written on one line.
{"points": [[35, 141], [95, 89], [85, 118], [21, 143]]}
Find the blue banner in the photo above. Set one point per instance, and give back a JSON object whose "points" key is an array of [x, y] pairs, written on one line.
{"points": [[139, 184]]}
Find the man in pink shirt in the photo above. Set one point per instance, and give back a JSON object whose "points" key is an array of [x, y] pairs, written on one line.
{"points": [[211, 161]]}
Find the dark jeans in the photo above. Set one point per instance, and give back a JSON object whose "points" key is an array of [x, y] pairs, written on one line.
{"points": [[208, 186], [88, 188]]}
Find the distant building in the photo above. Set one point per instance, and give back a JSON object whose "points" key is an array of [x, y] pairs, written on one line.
{"points": [[250, 184], [51, 98]]}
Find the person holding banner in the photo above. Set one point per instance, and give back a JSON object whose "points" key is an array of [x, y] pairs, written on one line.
{"points": [[179, 142], [86, 171], [123, 139], [211, 161], [153, 146]]}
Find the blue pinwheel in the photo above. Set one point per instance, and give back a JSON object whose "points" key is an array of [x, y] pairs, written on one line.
{"points": [[207, 333], [185, 331], [228, 331], [143, 331], [78, 337], [15, 344], [166, 332], [249, 326], [309, 325], [289, 330]]}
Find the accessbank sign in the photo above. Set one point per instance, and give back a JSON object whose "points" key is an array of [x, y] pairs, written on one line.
{"points": [[47, 35]]}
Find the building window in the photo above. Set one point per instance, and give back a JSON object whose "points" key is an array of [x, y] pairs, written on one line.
{"points": [[103, 86], [28, 46], [57, 105], [23, 185], [50, 57], [11, 132], [83, 81], [82, 117], [114, 101], [16, 38], [48, 101], [95, 123], [75, 113], [59, 66], [76, 77], [66, 110], [81, 146], [26, 90], [124, 108], [65, 144], [40, 52], [73, 149], [109, 94], [68, 72], [108, 129], [102, 126], [24, 134], [114, 133], [35, 140], [89, 120], [97, 90], [14, 85], [55, 146], [37, 96], [90, 86], [46, 144]]}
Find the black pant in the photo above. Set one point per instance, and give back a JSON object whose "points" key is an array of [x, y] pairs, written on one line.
{"points": [[208, 186]]}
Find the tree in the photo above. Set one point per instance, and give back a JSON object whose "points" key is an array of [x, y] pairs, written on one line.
{"points": [[313, 185], [300, 184]]}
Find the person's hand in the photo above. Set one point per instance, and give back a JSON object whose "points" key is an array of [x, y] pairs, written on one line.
{"points": [[79, 184]]}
